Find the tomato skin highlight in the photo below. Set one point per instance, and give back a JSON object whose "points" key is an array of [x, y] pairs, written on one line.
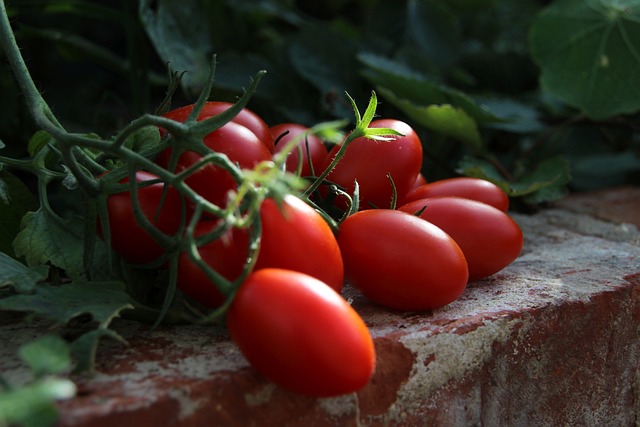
{"points": [[312, 145], [400, 261], [466, 187], [246, 118], [128, 238], [489, 238], [301, 334], [368, 162], [298, 238]]}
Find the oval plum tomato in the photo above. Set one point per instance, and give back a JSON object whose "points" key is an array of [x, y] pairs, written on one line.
{"points": [[296, 237], [128, 238], [466, 187], [301, 334], [226, 255], [246, 118], [489, 238], [213, 182], [399, 261], [368, 162], [420, 180], [311, 147]]}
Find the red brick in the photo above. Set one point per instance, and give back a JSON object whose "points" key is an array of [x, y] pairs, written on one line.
{"points": [[554, 339]]}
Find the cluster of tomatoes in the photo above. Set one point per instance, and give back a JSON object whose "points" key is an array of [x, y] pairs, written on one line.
{"points": [[411, 245]]}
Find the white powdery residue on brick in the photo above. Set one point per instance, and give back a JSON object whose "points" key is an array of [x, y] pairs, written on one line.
{"points": [[262, 396], [187, 405], [340, 406], [449, 356]]}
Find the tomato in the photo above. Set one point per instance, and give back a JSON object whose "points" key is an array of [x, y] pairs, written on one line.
{"points": [[128, 238], [489, 238], [399, 261], [246, 118], [311, 147], [368, 162], [226, 255], [467, 187], [420, 180], [301, 334], [296, 237], [213, 182]]}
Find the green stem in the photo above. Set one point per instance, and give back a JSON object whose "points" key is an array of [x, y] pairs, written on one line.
{"points": [[37, 105]]}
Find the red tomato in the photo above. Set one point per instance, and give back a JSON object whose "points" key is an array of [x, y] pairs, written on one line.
{"points": [[489, 238], [466, 187], [246, 118], [311, 147], [296, 237], [420, 180], [369, 162], [400, 261], [226, 255], [213, 182], [128, 238], [301, 334]]}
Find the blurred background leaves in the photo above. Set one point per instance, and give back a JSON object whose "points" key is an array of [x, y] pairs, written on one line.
{"points": [[541, 97]]}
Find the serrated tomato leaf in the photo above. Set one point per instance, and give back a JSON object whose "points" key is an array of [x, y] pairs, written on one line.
{"points": [[15, 201], [102, 300], [22, 278], [49, 354], [589, 54], [48, 239]]}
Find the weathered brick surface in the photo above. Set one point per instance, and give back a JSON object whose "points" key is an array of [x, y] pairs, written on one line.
{"points": [[554, 339]]}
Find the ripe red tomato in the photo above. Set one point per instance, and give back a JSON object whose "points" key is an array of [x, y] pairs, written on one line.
{"points": [[467, 187], [213, 182], [312, 148], [369, 162], [128, 238], [489, 238], [301, 334], [296, 237], [246, 118], [226, 255], [420, 180], [400, 261]]}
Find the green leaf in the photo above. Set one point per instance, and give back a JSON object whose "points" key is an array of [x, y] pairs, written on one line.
{"points": [[18, 275], [517, 116], [598, 170], [180, 35], [32, 405], [589, 54], [15, 201], [102, 300], [85, 348], [46, 238], [444, 119], [406, 83], [545, 182], [322, 61], [49, 354], [434, 28]]}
